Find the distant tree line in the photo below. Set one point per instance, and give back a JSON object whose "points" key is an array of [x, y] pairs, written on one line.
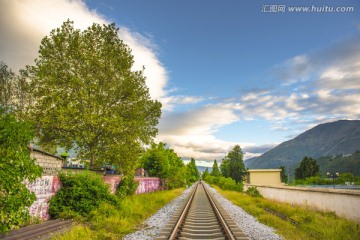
{"points": [[162, 161], [231, 173], [308, 171]]}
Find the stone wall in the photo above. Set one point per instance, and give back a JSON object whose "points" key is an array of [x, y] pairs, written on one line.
{"points": [[345, 203], [51, 164]]}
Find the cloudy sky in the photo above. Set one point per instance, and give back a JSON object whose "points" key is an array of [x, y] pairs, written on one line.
{"points": [[227, 72]]}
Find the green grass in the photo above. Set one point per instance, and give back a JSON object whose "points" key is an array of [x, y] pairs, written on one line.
{"points": [[114, 222], [311, 225]]}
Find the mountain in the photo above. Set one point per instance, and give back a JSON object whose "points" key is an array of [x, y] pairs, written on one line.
{"points": [[340, 164], [328, 139]]}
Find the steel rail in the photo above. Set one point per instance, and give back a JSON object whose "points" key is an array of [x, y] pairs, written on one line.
{"points": [[201, 217], [222, 221], [175, 230]]}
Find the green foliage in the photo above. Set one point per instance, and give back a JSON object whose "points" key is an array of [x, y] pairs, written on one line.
{"points": [[205, 173], [88, 97], [348, 177], [215, 170], [193, 174], [114, 222], [81, 193], [14, 91], [318, 180], [156, 161], [254, 192], [340, 164], [127, 187], [225, 167], [283, 175], [225, 183], [236, 166], [16, 166], [161, 161], [307, 168], [7, 77]]}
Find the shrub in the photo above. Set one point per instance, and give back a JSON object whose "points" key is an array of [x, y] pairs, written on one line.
{"points": [[80, 194], [254, 192], [317, 180], [127, 187], [225, 183]]}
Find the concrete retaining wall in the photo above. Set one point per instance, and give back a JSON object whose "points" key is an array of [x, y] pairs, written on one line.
{"points": [[146, 184], [345, 203], [47, 186]]}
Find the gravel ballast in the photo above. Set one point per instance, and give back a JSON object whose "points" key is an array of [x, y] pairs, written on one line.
{"points": [[249, 225]]}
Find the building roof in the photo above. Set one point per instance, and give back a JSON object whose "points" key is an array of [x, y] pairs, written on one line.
{"points": [[264, 170], [45, 153]]}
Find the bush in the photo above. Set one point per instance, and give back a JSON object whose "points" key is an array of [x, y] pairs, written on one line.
{"points": [[80, 194], [127, 187], [225, 183], [254, 192], [16, 166], [317, 180]]}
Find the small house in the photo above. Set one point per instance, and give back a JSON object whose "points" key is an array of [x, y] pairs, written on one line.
{"points": [[50, 163], [268, 177]]}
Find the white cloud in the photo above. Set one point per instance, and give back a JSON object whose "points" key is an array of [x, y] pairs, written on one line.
{"points": [[170, 101], [191, 133], [25, 22]]}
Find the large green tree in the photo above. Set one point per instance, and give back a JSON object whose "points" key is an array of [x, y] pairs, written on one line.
{"points": [[15, 167], [308, 167], [237, 169], [155, 161], [205, 174], [7, 77], [225, 168], [14, 91], [192, 171], [215, 170], [88, 97], [162, 161], [283, 175]]}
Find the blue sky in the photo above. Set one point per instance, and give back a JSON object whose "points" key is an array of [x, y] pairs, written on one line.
{"points": [[226, 71]]}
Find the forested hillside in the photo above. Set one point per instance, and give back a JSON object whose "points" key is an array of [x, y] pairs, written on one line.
{"points": [[328, 139]]}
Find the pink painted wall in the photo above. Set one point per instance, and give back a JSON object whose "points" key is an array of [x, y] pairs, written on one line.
{"points": [[148, 184], [44, 188], [113, 182]]}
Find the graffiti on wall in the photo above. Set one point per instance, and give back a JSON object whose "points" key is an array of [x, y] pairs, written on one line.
{"points": [[147, 185], [47, 186], [44, 188]]}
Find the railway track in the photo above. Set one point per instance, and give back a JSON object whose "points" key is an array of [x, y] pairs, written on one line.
{"points": [[201, 217]]}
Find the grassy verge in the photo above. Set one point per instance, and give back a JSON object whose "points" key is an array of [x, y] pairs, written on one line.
{"points": [[109, 222], [295, 222]]}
